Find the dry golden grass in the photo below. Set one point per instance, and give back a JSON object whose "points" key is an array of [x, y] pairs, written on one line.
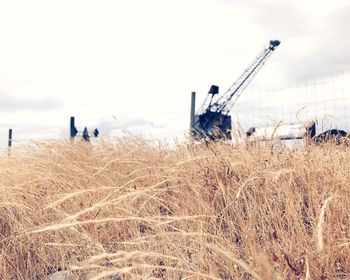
{"points": [[138, 210]]}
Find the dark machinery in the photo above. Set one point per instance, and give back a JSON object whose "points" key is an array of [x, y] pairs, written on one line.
{"points": [[85, 135], [213, 121], [335, 135]]}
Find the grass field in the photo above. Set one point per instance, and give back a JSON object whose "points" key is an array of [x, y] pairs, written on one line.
{"points": [[139, 210]]}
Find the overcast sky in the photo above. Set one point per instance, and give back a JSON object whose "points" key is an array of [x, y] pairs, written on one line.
{"points": [[131, 64]]}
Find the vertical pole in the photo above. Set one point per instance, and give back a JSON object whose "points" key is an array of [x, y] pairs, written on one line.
{"points": [[10, 138], [9, 142], [193, 108], [72, 128]]}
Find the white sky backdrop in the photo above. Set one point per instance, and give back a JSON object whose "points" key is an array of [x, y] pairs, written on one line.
{"points": [[138, 60]]}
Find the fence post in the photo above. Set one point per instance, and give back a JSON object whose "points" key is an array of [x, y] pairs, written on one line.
{"points": [[193, 108]]}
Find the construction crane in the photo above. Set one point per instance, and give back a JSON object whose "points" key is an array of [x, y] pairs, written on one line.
{"points": [[213, 121]]}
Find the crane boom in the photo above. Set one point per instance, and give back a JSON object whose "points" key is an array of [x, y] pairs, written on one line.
{"points": [[213, 113], [226, 102]]}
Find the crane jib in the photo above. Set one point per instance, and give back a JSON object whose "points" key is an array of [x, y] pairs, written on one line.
{"points": [[251, 73]]}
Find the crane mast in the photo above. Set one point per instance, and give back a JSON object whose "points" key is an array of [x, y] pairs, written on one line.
{"points": [[212, 119]]}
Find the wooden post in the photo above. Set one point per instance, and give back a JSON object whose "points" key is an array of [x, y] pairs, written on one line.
{"points": [[10, 138], [193, 108]]}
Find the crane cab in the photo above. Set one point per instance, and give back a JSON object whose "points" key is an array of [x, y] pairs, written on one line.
{"points": [[218, 128]]}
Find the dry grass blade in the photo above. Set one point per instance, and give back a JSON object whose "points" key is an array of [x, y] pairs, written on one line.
{"points": [[319, 228]]}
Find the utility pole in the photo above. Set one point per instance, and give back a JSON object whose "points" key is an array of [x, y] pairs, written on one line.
{"points": [[193, 108]]}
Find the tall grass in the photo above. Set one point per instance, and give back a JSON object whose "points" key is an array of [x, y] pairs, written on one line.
{"points": [[139, 210]]}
